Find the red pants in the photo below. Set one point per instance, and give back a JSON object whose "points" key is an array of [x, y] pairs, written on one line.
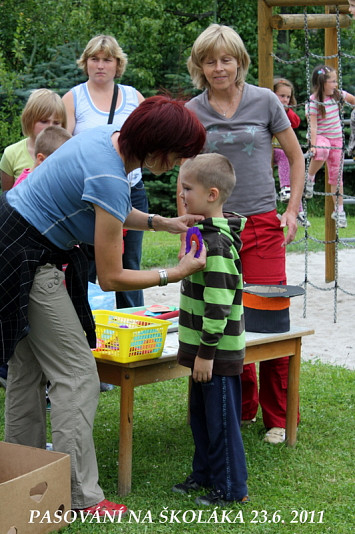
{"points": [[264, 262]]}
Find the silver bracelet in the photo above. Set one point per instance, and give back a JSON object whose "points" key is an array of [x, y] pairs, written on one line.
{"points": [[150, 221], [163, 273]]}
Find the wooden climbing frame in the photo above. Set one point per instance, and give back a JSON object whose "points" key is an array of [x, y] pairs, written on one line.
{"points": [[267, 23]]}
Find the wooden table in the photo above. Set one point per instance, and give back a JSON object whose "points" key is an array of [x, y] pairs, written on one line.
{"points": [[260, 347]]}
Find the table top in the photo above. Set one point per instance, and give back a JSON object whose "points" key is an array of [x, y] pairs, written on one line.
{"points": [[252, 339]]}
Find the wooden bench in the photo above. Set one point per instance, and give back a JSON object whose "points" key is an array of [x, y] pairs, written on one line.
{"points": [[259, 347]]}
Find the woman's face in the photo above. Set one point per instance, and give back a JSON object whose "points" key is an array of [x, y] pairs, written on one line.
{"points": [[101, 69], [283, 92], [330, 84], [220, 70], [156, 165]]}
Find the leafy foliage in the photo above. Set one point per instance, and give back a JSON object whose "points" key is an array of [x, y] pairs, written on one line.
{"points": [[162, 192]]}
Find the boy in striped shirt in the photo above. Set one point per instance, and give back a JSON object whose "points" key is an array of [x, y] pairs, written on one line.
{"points": [[212, 336]]}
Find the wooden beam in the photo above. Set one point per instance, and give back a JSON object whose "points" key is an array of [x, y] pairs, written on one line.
{"points": [[294, 3], [342, 9], [265, 46], [318, 21]]}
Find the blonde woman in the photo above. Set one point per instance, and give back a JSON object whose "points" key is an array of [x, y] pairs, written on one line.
{"points": [[240, 120], [89, 105]]}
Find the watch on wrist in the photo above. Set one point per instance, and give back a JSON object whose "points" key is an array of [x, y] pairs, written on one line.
{"points": [[150, 221]]}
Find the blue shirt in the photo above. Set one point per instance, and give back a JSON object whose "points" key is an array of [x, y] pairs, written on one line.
{"points": [[57, 197]]}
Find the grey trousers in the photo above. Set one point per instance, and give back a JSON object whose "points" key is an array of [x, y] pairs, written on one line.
{"points": [[56, 350]]}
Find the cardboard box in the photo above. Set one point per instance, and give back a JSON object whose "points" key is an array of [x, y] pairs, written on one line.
{"points": [[34, 486]]}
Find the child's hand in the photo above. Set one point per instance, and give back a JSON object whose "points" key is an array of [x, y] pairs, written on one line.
{"points": [[202, 371], [312, 151]]}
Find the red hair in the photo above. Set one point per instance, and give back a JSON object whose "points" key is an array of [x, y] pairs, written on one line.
{"points": [[160, 126]]}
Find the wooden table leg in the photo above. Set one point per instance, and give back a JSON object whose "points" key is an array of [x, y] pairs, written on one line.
{"points": [[293, 394], [126, 433]]}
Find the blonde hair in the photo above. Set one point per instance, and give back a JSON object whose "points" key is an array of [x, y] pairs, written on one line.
{"points": [[215, 38], [49, 139], [278, 82], [211, 170], [110, 47], [41, 105]]}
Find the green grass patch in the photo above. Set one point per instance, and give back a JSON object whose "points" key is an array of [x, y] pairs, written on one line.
{"points": [[287, 483], [160, 249]]}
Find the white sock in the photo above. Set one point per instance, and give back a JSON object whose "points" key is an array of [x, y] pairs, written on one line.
{"points": [[311, 178]]}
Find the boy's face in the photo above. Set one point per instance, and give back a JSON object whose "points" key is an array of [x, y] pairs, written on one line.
{"points": [[352, 7], [194, 195]]}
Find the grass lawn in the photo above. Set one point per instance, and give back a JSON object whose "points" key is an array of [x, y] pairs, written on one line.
{"points": [[311, 482]]}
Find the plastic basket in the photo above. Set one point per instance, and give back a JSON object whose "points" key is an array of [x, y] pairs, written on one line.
{"points": [[125, 338]]}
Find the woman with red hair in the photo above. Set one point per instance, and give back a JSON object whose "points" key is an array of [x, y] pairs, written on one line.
{"points": [[81, 194]]}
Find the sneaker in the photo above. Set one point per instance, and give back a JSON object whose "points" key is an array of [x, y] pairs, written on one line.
{"points": [[190, 484], [275, 435], [105, 508], [285, 194], [340, 216], [308, 190], [301, 220], [217, 498]]}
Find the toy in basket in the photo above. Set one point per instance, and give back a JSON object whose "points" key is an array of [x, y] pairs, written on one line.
{"points": [[124, 338]]}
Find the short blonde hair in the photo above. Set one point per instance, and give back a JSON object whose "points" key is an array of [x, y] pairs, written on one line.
{"points": [[110, 47], [41, 105], [49, 139], [214, 39], [211, 170]]}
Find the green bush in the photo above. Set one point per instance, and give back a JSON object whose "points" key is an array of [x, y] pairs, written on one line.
{"points": [[161, 192]]}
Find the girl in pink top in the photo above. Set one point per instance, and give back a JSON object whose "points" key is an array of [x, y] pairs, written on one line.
{"points": [[285, 92], [326, 135]]}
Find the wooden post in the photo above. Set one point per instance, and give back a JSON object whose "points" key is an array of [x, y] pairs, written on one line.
{"points": [[265, 45], [330, 48]]}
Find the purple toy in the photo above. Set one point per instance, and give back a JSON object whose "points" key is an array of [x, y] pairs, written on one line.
{"points": [[194, 235]]}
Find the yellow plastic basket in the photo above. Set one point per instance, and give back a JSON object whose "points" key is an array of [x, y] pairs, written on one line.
{"points": [[125, 338]]}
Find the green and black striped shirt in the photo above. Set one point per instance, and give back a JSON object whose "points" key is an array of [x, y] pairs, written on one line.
{"points": [[211, 320]]}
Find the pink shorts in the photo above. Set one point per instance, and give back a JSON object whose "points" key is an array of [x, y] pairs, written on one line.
{"points": [[332, 156]]}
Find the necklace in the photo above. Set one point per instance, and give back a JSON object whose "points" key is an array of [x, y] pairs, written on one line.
{"points": [[233, 102], [224, 112]]}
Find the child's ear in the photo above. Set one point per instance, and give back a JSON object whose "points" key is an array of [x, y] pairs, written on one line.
{"points": [[214, 194], [40, 158]]}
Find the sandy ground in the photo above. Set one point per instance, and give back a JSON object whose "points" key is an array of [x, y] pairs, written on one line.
{"points": [[333, 342]]}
